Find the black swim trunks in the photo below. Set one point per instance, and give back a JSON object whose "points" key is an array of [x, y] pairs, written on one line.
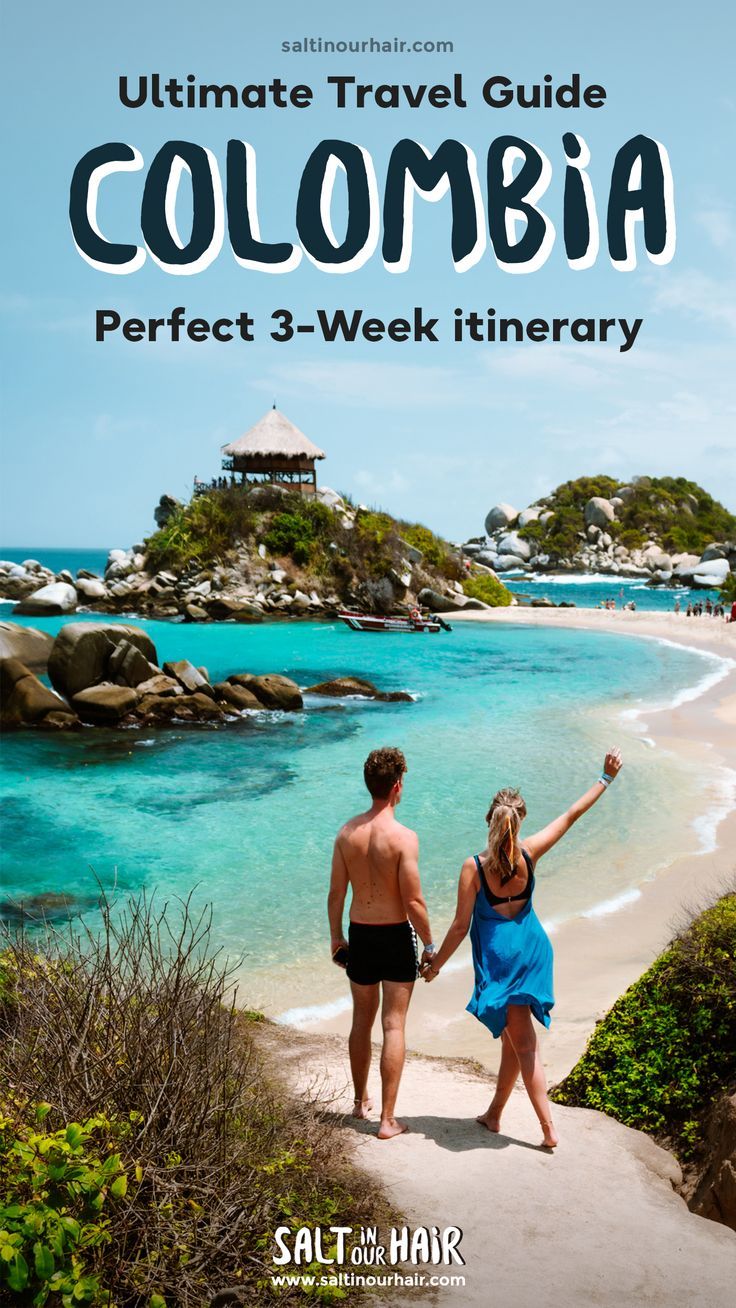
{"points": [[381, 953]]}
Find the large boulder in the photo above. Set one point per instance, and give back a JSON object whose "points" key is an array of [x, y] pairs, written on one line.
{"points": [[512, 543], [711, 573], [189, 677], [685, 565], [81, 652], [159, 685], [715, 1193], [234, 608], [376, 595], [236, 697], [438, 603], [50, 601], [192, 708], [341, 687], [501, 515], [166, 507], [272, 691], [104, 703], [32, 647], [24, 698], [511, 563], [91, 588], [326, 495], [529, 515], [599, 512]]}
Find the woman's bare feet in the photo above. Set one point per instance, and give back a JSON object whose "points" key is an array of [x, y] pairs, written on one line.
{"points": [[390, 1127], [491, 1119], [550, 1138], [362, 1107]]}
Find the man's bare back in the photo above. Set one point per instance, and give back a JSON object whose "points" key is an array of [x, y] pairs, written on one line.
{"points": [[379, 854]]}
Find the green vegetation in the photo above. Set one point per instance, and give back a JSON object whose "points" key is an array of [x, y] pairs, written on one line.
{"points": [[203, 530], [292, 528], [301, 532], [488, 589], [165, 1151], [677, 513], [58, 1201], [667, 1048], [727, 592]]}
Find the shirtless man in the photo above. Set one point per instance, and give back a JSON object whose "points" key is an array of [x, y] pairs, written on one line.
{"points": [[378, 858]]}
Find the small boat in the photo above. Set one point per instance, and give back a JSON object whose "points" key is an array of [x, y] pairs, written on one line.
{"points": [[410, 623]]}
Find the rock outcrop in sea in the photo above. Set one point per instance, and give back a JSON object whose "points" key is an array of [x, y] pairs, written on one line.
{"points": [[109, 676], [273, 556], [660, 530]]}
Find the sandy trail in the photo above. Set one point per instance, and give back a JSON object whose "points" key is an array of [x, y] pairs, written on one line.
{"points": [[595, 1223]]}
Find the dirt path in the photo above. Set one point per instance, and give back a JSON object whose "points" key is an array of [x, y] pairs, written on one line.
{"points": [[596, 1223]]}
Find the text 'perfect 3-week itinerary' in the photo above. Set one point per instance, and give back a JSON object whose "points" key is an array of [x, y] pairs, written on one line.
{"points": [[368, 657]]}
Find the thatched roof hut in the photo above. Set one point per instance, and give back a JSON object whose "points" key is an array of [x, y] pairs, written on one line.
{"points": [[274, 450]]}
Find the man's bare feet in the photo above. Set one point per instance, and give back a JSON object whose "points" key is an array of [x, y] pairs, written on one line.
{"points": [[491, 1120], [362, 1107], [550, 1137], [390, 1127]]}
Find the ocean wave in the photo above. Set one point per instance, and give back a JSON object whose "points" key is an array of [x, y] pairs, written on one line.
{"points": [[687, 694], [706, 825], [314, 1012], [614, 904]]}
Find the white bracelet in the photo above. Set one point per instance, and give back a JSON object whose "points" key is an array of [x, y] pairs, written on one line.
{"points": [[604, 782]]}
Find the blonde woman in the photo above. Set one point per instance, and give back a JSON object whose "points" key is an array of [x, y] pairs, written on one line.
{"points": [[512, 955]]}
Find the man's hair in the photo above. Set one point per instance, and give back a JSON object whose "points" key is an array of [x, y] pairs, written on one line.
{"points": [[382, 769]]}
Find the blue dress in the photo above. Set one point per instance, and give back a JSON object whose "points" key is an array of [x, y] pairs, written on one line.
{"points": [[512, 957]]}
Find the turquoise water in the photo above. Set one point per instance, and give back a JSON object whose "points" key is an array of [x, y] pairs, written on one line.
{"points": [[586, 593], [71, 559], [247, 813]]}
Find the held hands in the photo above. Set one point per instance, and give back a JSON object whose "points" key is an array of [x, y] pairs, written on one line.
{"points": [[427, 968]]}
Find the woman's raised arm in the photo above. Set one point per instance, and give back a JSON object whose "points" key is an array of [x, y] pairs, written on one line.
{"points": [[543, 840]]}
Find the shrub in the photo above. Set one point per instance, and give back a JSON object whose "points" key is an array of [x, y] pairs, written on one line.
{"points": [[300, 530], [202, 530], [54, 1210], [674, 511], [667, 1048], [488, 589], [167, 1152]]}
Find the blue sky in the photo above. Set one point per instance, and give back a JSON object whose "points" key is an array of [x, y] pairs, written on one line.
{"points": [[93, 433]]}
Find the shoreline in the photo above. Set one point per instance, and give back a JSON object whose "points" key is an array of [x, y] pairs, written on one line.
{"points": [[600, 954]]}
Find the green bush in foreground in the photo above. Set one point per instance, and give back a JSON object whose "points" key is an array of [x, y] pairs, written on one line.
{"points": [[667, 1048], [55, 1205], [166, 1151], [487, 589]]}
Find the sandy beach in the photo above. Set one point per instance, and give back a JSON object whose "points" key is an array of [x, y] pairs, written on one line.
{"points": [[597, 957]]}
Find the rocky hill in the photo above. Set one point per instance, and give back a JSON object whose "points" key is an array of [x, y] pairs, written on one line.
{"points": [[248, 554], [663, 529]]}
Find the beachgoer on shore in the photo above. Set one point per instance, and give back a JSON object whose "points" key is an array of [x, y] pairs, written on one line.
{"points": [[512, 954], [379, 859]]}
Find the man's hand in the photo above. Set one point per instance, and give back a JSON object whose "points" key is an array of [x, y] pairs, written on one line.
{"points": [[340, 943]]}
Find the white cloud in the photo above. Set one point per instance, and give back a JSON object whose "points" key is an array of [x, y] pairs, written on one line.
{"points": [[698, 296], [718, 224]]}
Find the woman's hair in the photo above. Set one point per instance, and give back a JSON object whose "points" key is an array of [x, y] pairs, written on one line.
{"points": [[504, 818]]}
